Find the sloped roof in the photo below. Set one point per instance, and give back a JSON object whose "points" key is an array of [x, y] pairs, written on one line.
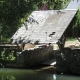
{"points": [[44, 26]]}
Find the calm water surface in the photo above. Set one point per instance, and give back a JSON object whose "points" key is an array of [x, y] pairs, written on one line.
{"points": [[45, 73]]}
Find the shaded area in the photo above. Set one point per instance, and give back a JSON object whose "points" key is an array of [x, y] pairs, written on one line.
{"points": [[68, 61], [16, 74]]}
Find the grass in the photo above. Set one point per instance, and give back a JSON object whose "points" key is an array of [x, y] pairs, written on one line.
{"points": [[71, 39]]}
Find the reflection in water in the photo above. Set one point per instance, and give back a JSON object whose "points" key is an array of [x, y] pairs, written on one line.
{"points": [[67, 77], [22, 74], [54, 76], [26, 74]]}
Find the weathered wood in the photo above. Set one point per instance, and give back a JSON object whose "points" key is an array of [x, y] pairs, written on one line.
{"points": [[50, 26]]}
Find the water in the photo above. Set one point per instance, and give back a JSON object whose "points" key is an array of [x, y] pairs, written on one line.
{"points": [[45, 73]]}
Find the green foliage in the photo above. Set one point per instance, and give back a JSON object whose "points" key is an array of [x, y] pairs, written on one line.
{"points": [[3, 54], [78, 18], [0, 28], [0, 32], [77, 22], [13, 13], [7, 56], [11, 56], [71, 39]]}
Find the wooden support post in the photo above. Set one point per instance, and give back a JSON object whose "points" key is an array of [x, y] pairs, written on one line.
{"points": [[61, 42]]}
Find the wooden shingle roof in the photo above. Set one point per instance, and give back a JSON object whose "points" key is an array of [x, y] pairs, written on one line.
{"points": [[45, 26]]}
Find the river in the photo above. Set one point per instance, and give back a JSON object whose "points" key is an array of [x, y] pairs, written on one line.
{"points": [[40, 73]]}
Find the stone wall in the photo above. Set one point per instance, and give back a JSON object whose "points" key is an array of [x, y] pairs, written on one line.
{"points": [[36, 56]]}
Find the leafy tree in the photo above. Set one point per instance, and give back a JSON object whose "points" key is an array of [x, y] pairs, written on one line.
{"points": [[76, 25], [78, 19], [0, 32]]}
